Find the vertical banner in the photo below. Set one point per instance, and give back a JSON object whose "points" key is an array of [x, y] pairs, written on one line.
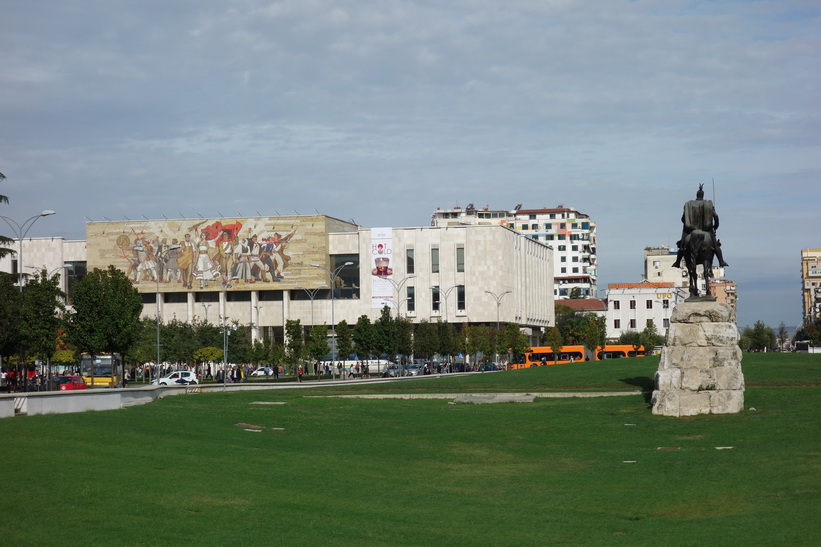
{"points": [[381, 267]]}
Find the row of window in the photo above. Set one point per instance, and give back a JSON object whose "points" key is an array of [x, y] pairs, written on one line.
{"points": [[632, 323], [410, 265], [648, 304]]}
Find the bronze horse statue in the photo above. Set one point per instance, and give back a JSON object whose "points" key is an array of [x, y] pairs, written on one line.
{"points": [[698, 247]]}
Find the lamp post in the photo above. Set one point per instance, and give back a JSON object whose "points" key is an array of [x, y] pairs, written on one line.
{"points": [[312, 294], [332, 279], [205, 307], [141, 249], [20, 230], [397, 285], [496, 337], [257, 309], [447, 292]]}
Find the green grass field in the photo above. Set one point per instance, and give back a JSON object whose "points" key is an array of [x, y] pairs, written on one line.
{"points": [[339, 471]]}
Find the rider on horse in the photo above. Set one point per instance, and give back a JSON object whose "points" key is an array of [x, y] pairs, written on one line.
{"points": [[699, 214]]}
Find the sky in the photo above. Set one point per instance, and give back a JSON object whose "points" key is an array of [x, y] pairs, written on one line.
{"points": [[380, 111]]}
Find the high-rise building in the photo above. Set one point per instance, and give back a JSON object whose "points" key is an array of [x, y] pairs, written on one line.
{"points": [[571, 234], [811, 283]]}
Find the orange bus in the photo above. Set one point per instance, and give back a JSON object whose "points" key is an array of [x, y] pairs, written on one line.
{"points": [[619, 351], [543, 355]]}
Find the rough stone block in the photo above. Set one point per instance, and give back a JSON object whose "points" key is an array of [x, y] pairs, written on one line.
{"points": [[727, 402], [699, 357], [730, 378], [702, 312], [698, 379], [703, 335], [694, 403], [666, 403], [668, 379]]}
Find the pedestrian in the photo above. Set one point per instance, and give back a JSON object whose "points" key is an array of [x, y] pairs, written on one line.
{"points": [[299, 374]]}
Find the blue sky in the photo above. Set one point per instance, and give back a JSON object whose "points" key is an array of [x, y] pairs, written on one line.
{"points": [[381, 111]]}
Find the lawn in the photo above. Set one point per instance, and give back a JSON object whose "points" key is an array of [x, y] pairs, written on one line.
{"points": [[217, 469]]}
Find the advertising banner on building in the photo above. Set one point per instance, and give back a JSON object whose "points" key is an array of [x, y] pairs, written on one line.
{"points": [[381, 268]]}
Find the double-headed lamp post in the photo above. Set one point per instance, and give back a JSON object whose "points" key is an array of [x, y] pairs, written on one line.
{"points": [[20, 230], [496, 338], [332, 279], [447, 292]]}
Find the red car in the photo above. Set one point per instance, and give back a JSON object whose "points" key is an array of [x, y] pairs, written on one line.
{"points": [[69, 383]]}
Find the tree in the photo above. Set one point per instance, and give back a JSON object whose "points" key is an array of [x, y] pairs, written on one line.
{"points": [[404, 336], [631, 338], [5, 241], [758, 338], [593, 331], [208, 354], [575, 293], [40, 316], [363, 336], [514, 340], [106, 316], [650, 337], [10, 298], [385, 333], [447, 339], [296, 343], [553, 340], [425, 339], [782, 335], [318, 346], [344, 340]]}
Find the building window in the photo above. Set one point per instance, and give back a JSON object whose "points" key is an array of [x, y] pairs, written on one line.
{"points": [[666, 323], [632, 323], [563, 259], [548, 226], [617, 323], [460, 298], [460, 259], [434, 260], [665, 304], [561, 247], [411, 303], [435, 298], [632, 304], [616, 305], [563, 270], [575, 258], [409, 265], [649, 304], [576, 270]]}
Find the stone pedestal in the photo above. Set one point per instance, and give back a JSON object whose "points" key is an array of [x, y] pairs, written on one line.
{"points": [[700, 367]]}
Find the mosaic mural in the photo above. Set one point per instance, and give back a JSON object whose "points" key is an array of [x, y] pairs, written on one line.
{"points": [[215, 254]]}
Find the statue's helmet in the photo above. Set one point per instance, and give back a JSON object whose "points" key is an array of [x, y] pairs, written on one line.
{"points": [[700, 193]]}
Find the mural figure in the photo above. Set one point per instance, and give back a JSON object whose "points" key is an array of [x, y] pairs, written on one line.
{"points": [[205, 269], [186, 261]]}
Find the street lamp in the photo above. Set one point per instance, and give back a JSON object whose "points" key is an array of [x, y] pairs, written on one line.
{"points": [[397, 285], [205, 307], [332, 279], [447, 292], [312, 294], [496, 338], [257, 309], [157, 279], [20, 230]]}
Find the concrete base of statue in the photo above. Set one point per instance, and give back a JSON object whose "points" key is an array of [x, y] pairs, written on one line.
{"points": [[700, 367]]}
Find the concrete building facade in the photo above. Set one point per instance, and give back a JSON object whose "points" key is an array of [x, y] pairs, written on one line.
{"points": [[811, 283], [632, 306], [264, 271], [572, 235]]}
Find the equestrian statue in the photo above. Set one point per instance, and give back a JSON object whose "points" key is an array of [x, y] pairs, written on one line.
{"points": [[699, 244]]}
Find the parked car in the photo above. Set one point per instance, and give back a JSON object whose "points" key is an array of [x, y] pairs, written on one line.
{"points": [[263, 371], [70, 383], [178, 377], [414, 370]]}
